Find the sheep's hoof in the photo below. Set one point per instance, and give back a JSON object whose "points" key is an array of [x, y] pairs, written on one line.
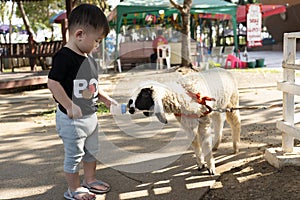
{"points": [[236, 148], [211, 171], [236, 151], [200, 167], [215, 148], [203, 166]]}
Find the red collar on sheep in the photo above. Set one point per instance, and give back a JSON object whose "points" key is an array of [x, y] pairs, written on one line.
{"points": [[201, 100]]}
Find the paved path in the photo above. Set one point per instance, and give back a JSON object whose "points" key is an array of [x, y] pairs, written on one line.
{"points": [[273, 59], [11, 80], [31, 153]]}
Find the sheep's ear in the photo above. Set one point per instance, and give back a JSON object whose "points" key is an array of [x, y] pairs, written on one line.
{"points": [[161, 117], [159, 111]]}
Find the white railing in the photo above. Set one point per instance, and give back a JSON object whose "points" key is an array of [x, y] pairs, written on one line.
{"points": [[290, 89]]}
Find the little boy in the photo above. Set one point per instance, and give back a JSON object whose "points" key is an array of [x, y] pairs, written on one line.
{"points": [[73, 81]]}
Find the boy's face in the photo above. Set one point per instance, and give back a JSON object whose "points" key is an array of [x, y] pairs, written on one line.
{"points": [[88, 40]]}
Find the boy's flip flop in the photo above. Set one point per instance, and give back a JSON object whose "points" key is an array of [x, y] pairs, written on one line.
{"points": [[91, 187], [71, 195]]}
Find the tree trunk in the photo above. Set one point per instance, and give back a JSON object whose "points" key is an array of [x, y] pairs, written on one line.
{"points": [[185, 31], [10, 19], [186, 38], [31, 42], [25, 19]]}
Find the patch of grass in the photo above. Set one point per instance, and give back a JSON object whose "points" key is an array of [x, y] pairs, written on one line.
{"points": [[264, 70], [102, 108], [49, 113], [213, 64], [259, 70]]}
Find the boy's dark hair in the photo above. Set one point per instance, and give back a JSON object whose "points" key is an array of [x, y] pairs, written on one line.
{"points": [[88, 15]]}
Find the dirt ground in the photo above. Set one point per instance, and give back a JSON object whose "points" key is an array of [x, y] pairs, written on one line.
{"points": [[243, 176], [257, 179]]}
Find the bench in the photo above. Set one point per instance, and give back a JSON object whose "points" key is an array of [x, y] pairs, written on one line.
{"points": [[135, 52], [22, 54]]}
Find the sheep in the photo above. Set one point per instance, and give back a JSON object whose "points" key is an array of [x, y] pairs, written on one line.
{"points": [[193, 100]]}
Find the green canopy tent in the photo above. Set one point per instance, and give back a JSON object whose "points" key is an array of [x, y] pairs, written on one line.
{"points": [[128, 7]]}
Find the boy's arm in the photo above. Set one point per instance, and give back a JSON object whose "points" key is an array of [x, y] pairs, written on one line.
{"points": [[106, 99], [60, 95]]}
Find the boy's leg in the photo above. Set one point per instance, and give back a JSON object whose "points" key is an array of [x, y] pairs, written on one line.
{"points": [[73, 140], [89, 171], [89, 159], [73, 180]]}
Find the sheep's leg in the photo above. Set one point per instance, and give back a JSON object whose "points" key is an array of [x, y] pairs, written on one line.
{"points": [[192, 133], [233, 119], [206, 143], [207, 151], [217, 122], [197, 149]]}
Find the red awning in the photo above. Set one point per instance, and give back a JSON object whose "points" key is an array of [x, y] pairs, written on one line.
{"points": [[58, 18], [215, 16], [267, 10]]}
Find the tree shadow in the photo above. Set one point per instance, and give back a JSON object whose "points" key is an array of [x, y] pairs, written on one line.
{"points": [[256, 180], [31, 157]]}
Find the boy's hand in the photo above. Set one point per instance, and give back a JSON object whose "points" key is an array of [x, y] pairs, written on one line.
{"points": [[109, 101], [74, 112]]}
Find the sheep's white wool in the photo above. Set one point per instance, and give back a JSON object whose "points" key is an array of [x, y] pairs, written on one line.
{"points": [[213, 83], [216, 83]]}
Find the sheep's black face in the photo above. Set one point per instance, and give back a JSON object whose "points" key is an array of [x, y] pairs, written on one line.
{"points": [[144, 101]]}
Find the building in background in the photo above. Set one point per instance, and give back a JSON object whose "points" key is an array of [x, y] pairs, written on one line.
{"points": [[282, 23]]}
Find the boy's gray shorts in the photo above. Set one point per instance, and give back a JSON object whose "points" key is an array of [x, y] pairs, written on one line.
{"points": [[80, 139]]}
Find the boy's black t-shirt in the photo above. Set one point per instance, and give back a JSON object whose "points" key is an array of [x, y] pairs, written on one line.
{"points": [[78, 75]]}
